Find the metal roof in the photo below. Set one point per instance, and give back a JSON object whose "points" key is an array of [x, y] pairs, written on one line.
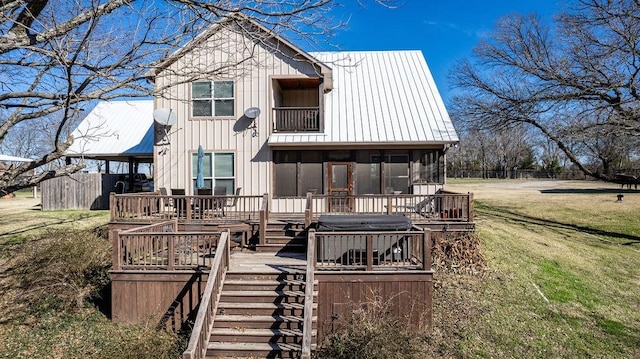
{"points": [[378, 97], [7, 158], [115, 130]]}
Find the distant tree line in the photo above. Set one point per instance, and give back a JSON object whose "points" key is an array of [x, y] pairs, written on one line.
{"points": [[516, 154], [553, 96]]}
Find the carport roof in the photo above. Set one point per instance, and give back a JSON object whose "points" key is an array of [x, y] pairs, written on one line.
{"points": [[115, 130]]}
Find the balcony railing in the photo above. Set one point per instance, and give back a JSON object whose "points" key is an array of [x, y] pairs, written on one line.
{"points": [[296, 119]]}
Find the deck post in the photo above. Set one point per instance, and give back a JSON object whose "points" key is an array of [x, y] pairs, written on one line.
{"points": [[263, 222], [308, 210], [227, 250], [265, 199], [188, 208], [171, 249], [426, 249], [389, 209], [112, 205], [114, 237], [369, 252], [138, 208], [470, 209]]}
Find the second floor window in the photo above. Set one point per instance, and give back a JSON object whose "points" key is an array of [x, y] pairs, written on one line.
{"points": [[212, 98]]}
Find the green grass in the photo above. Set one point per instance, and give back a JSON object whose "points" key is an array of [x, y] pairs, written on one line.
{"points": [[564, 273]]}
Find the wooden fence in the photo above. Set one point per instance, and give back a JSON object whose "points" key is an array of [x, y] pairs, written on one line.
{"points": [[77, 191]]}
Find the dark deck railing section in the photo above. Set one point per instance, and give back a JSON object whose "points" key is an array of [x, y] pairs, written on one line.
{"points": [[197, 347], [296, 119], [160, 246], [432, 207], [154, 207], [370, 250]]}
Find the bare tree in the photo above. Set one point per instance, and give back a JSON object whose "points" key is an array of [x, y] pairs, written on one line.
{"points": [[58, 56], [574, 81]]}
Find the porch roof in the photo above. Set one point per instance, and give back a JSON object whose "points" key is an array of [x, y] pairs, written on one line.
{"points": [[115, 130], [378, 97]]}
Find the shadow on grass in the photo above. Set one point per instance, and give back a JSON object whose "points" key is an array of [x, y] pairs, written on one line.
{"points": [[43, 226], [613, 191], [498, 212]]}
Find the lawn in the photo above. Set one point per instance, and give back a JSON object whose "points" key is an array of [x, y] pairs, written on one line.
{"points": [[54, 288], [563, 276]]}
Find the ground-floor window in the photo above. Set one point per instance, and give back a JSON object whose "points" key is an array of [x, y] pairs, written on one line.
{"points": [[217, 169], [297, 172], [373, 171]]}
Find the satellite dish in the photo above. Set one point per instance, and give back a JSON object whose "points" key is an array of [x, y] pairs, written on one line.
{"points": [[165, 116], [252, 112]]}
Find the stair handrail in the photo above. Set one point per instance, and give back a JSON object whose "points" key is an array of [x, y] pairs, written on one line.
{"points": [[307, 324], [197, 347]]}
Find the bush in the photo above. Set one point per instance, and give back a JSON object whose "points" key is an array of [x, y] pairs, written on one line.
{"points": [[458, 253], [60, 271], [372, 332]]}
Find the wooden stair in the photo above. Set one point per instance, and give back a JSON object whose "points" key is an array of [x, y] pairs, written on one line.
{"points": [[286, 236], [260, 315]]}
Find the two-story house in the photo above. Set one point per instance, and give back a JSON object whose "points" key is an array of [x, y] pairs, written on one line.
{"points": [[272, 118]]}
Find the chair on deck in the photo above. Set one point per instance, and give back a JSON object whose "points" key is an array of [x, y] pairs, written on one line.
{"points": [[219, 193], [425, 208], [166, 200], [203, 204], [180, 204], [235, 199]]}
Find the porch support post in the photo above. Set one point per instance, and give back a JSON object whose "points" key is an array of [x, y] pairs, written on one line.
{"points": [[426, 249], [369, 252]]}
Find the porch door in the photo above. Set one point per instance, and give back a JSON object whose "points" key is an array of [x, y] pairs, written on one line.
{"points": [[340, 187]]}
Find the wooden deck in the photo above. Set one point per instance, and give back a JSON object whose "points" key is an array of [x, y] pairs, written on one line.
{"points": [[163, 258]]}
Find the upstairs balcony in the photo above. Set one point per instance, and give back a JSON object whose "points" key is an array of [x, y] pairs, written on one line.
{"points": [[296, 106]]}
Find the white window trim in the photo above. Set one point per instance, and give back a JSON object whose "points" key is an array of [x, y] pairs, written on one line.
{"points": [[213, 99], [213, 176]]}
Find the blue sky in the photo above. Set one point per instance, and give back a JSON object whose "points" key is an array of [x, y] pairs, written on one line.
{"points": [[446, 31]]}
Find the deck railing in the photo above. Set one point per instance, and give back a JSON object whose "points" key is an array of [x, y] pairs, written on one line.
{"points": [[296, 119], [197, 347], [431, 207], [160, 246], [373, 250], [155, 207]]}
